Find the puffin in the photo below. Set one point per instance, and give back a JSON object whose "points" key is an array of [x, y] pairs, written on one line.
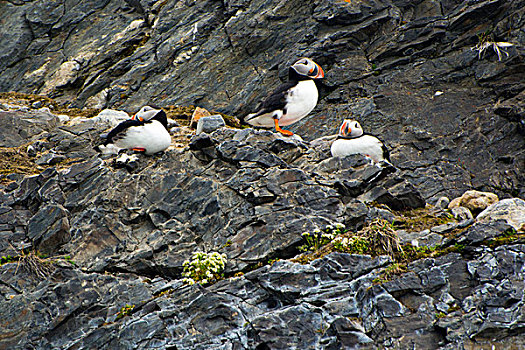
{"points": [[146, 131], [291, 101], [352, 140]]}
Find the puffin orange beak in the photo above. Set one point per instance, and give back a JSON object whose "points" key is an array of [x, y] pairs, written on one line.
{"points": [[345, 129], [317, 70], [137, 118], [320, 72]]}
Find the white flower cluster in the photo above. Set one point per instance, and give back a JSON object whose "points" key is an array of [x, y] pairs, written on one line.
{"points": [[329, 236], [343, 241], [318, 237], [203, 267]]}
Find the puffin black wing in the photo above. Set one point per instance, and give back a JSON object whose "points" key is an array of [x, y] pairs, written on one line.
{"points": [[276, 100], [386, 153], [119, 131]]}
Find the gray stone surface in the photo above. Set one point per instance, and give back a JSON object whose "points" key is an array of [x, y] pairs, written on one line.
{"points": [[384, 63], [209, 124], [512, 210], [250, 194]]}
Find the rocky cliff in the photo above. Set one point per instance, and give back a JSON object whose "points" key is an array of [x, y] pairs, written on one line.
{"points": [[93, 248], [408, 70]]}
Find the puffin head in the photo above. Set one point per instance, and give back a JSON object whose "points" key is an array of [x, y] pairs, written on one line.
{"points": [[148, 113], [145, 113], [305, 68], [350, 129]]}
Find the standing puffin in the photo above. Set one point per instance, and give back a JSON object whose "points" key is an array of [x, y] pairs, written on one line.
{"points": [[352, 140], [146, 131], [291, 101]]}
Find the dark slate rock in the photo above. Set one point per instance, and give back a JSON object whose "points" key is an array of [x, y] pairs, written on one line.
{"points": [[18, 128], [355, 214], [396, 195], [377, 80], [341, 266], [480, 232], [200, 142], [406, 283], [49, 228], [251, 193], [50, 159], [348, 334]]}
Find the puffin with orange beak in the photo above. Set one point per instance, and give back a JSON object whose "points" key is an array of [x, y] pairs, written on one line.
{"points": [[353, 140], [146, 131], [291, 101]]}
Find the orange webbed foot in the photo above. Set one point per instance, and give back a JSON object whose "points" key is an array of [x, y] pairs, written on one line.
{"points": [[138, 149], [278, 128]]}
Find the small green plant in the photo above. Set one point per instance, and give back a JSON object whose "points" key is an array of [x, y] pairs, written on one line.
{"points": [[68, 259], [453, 308], [166, 292], [355, 245], [126, 310], [34, 261], [227, 244], [204, 268], [318, 238], [440, 315], [458, 247], [8, 259], [379, 237], [394, 269], [389, 272], [271, 261]]}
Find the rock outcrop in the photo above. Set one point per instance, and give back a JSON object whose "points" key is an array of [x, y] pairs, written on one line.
{"points": [[116, 237], [421, 74], [92, 248]]}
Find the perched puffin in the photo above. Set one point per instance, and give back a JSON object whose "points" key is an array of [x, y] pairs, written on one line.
{"points": [[291, 101], [146, 131], [352, 140]]}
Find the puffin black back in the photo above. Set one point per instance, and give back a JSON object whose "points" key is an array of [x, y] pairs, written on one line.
{"points": [[162, 118], [277, 99], [121, 128]]}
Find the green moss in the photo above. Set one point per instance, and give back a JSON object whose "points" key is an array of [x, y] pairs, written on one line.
{"points": [[232, 121], [180, 113], [35, 263], [453, 308], [6, 259], [421, 219], [126, 310], [508, 237], [272, 261], [390, 272], [376, 238], [167, 292]]}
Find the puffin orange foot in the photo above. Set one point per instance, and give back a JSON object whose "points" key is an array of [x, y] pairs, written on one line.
{"points": [[138, 149], [278, 128]]}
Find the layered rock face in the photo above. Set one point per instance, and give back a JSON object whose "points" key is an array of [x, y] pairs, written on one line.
{"points": [[408, 70], [425, 76], [116, 234]]}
